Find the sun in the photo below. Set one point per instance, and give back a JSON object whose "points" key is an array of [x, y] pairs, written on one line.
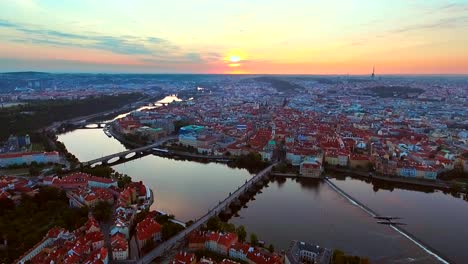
{"points": [[234, 58]]}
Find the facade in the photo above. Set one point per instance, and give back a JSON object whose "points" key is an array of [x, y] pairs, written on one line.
{"points": [[146, 230], [151, 134], [28, 158], [301, 252], [197, 240], [409, 172], [119, 247], [331, 159], [220, 242], [100, 182], [343, 160], [359, 162], [240, 251], [311, 169]]}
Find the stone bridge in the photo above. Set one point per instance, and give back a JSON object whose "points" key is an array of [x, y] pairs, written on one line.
{"points": [[249, 187], [126, 155]]}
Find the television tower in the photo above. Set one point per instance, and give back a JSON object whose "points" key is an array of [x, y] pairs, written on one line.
{"points": [[373, 72]]}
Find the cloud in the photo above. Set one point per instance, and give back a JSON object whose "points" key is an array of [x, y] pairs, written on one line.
{"points": [[128, 45], [195, 58], [151, 51], [4, 23], [450, 22], [451, 7]]}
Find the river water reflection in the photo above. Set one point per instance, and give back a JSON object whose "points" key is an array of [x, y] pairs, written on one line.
{"points": [[297, 209], [183, 188]]}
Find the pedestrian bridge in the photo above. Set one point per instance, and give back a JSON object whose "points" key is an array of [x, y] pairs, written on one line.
{"points": [[233, 198]]}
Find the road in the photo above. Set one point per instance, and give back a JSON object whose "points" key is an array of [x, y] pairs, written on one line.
{"points": [[169, 244]]}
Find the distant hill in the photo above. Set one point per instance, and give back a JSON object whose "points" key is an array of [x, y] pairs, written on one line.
{"points": [[280, 85], [26, 73]]}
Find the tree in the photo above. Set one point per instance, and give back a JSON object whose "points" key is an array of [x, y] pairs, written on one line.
{"points": [[123, 180], [26, 223], [339, 257], [6, 204], [213, 223], [241, 233], [170, 229], [271, 248], [102, 211], [34, 169], [227, 227], [100, 171], [253, 239]]}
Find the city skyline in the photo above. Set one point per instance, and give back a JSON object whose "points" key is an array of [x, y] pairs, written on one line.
{"points": [[255, 37]]}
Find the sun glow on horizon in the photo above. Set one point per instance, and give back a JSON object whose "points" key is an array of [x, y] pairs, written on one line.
{"points": [[143, 36], [234, 58]]}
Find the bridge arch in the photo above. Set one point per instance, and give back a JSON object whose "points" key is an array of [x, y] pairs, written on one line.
{"points": [[96, 164], [92, 125], [130, 155], [112, 160]]}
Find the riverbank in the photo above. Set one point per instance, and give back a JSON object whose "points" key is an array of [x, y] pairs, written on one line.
{"points": [[315, 212], [420, 182], [170, 153]]}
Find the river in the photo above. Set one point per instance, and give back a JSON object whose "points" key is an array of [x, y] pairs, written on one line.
{"points": [[185, 189], [307, 210]]}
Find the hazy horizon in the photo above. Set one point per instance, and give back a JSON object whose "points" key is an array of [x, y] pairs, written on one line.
{"points": [[241, 74]]}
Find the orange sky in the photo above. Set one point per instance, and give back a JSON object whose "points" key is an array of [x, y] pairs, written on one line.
{"points": [[291, 37]]}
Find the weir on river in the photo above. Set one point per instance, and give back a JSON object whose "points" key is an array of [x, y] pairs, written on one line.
{"points": [[397, 228]]}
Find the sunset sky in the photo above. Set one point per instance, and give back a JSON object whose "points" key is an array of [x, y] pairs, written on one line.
{"points": [[235, 36]]}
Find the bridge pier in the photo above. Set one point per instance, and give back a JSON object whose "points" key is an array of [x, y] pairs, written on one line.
{"points": [[226, 212], [244, 197], [251, 191], [235, 204], [259, 184]]}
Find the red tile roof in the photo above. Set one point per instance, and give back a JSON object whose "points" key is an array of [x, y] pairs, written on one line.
{"points": [[118, 242], [183, 258], [147, 228]]}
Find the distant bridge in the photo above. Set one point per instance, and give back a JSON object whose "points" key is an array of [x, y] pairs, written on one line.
{"points": [[93, 125], [249, 186]]}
